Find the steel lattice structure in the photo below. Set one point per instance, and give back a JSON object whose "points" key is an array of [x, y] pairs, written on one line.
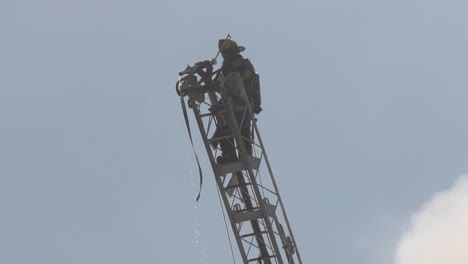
{"points": [[247, 186]]}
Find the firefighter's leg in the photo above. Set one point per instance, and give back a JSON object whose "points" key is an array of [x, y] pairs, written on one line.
{"points": [[246, 134], [228, 150], [245, 130]]}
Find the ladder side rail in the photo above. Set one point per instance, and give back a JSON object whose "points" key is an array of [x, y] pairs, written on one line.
{"points": [[244, 95], [214, 100], [244, 155], [244, 191], [195, 107], [267, 162], [258, 194]]}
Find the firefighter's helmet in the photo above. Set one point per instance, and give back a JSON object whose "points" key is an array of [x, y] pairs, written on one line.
{"points": [[228, 45]]}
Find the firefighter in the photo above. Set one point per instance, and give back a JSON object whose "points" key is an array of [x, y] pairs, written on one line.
{"points": [[234, 62]]}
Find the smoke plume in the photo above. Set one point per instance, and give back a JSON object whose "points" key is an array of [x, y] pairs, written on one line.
{"points": [[438, 232]]}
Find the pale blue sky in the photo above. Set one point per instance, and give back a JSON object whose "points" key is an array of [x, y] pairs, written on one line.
{"points": [[365, 117]]}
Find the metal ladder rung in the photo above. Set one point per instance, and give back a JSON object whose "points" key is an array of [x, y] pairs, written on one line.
{"points": [[237, 185], [220, 138], [254, 234], [246, 210], [224, 169], [242, 216], [213, 113], [206, 114], [262, 258], [233, 185]]}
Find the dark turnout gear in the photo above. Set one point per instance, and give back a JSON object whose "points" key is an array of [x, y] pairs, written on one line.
{"points": [[235, 62], [227, 145]]}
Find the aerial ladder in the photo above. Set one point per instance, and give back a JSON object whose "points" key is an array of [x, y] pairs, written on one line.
{"points": [[247, 187]]}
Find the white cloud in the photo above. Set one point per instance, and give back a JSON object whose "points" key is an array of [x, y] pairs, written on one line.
{"points": [[438, 233]]}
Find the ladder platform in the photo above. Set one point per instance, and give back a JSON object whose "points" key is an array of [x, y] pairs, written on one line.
{"points": [[253, 214], [232, 167]]}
